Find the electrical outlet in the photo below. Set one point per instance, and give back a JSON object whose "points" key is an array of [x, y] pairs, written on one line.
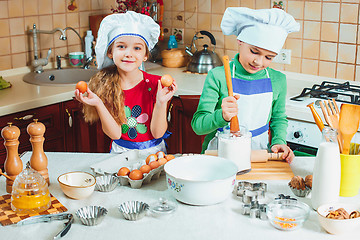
{"points": [[284, 57]]}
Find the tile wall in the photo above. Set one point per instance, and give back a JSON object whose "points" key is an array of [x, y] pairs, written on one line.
{"points": [[327, 44], [17, 16]]}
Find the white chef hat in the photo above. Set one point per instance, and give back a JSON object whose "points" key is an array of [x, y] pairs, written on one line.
{"points": [[124, 24], [264, 28]]}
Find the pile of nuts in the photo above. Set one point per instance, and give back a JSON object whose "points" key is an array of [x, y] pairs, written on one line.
{"points": [[300, 183], [341, 213]]}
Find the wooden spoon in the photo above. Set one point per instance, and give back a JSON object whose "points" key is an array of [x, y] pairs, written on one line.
{"points": [[234, 122], [348, 124]]}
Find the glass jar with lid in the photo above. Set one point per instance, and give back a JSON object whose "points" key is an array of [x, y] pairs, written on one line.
{"points": [[30, 193]]}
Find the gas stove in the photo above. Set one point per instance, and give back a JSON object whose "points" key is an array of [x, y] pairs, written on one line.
{"points": [[341, 92], [305, 133]]}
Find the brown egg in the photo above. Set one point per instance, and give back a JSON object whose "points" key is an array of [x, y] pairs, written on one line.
{"points": [[162, 161], [124, 171], [151, 158], [145, 169], [154, 164], [169, 157], [160, 154], [136, 174], [166, 80]]}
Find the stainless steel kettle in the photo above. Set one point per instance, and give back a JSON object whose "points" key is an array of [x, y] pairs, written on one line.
{"points": [[204, 60]]}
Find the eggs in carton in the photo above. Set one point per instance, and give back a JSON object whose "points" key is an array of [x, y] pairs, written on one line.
{"points": [[133, 169]]}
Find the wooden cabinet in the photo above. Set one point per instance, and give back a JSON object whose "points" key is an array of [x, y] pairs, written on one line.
{"points": [[66, 130], [79, 135], [49, 116], [183, 138]]}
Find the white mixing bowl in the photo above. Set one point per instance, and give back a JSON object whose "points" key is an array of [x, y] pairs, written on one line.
{"points": [[200, 179], [77, 185]]}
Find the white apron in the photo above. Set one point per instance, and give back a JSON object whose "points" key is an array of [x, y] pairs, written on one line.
{"points": [[254, 106]]}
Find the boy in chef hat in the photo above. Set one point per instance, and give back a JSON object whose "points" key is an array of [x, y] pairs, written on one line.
{"points": [[131, 104], [260, 91]]}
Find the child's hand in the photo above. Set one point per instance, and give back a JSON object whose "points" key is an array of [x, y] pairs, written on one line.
{"points": [[229, 107], [91, 99], [288, 153], [163, 95]]}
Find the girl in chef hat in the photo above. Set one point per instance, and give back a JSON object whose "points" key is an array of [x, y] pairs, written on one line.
{"points": [[260, 91], [131, 104]]}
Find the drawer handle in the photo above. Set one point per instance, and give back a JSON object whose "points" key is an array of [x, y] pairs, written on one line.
{"points": [[70, 118], [25, 118], [169, 113]]}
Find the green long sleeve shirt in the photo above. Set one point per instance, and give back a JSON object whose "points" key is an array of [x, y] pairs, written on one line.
{"points": [[208, 117]]}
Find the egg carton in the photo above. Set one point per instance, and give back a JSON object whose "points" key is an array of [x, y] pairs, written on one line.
{"points": [[130, 159]]}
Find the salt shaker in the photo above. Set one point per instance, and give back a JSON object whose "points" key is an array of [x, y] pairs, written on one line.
{"points": [[13, 164], [327, 170], [38, 160]]}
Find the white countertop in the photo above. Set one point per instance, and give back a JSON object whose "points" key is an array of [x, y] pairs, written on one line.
{"points": [[220, 221]]}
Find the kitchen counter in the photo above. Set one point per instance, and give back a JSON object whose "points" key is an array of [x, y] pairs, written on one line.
{"points": [[220, 221], [23, 96]]}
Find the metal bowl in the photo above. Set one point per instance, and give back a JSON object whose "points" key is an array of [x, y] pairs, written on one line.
{"points": [[133, 210], [106, 183], [300, 192], [91, 215]]}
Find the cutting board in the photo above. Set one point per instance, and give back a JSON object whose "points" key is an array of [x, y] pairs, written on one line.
{"points": [[270, 170], [8, 216]]}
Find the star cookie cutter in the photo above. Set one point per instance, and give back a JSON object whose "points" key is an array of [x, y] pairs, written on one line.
{"points": [[251, 191]]}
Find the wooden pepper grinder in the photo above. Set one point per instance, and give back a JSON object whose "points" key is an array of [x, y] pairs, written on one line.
{"points": [[38, 160], [13, 163]]}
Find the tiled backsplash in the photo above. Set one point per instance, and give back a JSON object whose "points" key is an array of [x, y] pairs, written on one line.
{"points": [[17, 16], [327, 44]]}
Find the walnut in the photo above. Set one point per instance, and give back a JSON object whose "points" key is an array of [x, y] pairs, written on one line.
{"points": [[355, 214], [344, 213], [308, 181], [297, 182], [340, 213]]}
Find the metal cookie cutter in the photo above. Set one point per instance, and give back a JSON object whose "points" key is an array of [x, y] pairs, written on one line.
{"points": [[251, 191], [255, 210]]}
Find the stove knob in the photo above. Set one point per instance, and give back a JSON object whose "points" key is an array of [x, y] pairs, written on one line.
{"points": [[297, 134]]}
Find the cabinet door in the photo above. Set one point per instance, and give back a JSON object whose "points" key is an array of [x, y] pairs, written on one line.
{"points": [[49, 116], [183, 138], [81, 136]]}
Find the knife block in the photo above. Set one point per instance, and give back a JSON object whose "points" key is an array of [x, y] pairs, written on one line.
{"points": [[13, 164], [38, 160]]}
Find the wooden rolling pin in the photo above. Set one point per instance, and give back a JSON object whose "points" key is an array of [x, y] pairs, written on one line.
{"points": [[256, 155]]}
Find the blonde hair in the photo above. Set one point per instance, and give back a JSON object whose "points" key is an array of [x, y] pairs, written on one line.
{"points": [[106, 85]]}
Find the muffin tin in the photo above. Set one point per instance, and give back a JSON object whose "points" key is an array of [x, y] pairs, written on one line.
{"points": [[130, 159]]}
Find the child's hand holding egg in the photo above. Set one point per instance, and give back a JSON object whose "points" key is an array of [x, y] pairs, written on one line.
{"points": [[81, 86]]}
